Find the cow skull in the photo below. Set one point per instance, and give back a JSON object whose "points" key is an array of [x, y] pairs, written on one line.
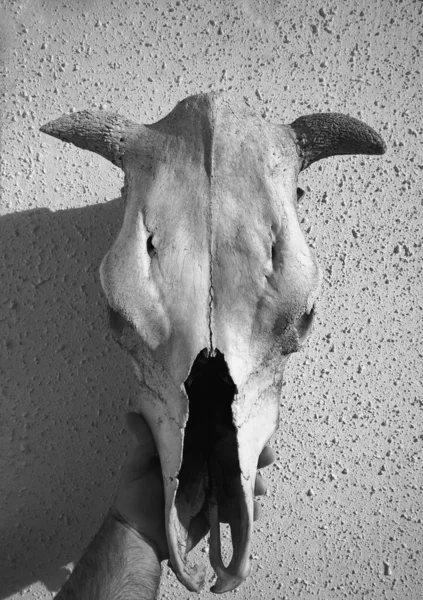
{"points": [[211, 286]]}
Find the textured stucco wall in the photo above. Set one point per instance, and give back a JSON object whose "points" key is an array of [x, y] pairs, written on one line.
{"points": [[343, 514]]}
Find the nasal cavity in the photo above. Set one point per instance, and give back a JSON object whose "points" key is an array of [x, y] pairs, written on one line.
{"points": [[117, 323]]}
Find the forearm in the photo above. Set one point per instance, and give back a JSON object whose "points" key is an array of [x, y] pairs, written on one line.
{"points": [[118, 565]]}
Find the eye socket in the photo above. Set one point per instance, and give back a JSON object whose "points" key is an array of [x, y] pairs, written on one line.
{"points": [[300, 194], [150, 247]]}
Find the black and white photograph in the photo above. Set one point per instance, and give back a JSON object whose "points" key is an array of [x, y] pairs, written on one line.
{"points": [[211, 299]]}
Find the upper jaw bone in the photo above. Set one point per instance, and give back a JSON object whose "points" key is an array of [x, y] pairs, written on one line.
{"points": [[229, 492], [235, 507], [231, 470]]}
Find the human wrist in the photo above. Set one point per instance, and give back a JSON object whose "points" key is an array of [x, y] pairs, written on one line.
{"points": [[118, 563], [117, 516]]}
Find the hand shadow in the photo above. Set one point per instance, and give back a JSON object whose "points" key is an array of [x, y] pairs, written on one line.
{"points": [[65, 387]]}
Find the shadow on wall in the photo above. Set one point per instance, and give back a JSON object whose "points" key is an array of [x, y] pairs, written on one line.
{"points": [[65, 389]]}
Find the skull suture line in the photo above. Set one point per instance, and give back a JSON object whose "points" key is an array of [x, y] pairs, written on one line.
{"points": [[212, 286]]}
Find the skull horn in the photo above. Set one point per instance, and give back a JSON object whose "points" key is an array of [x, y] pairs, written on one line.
{"points": [[104, 133], [327, 134]]}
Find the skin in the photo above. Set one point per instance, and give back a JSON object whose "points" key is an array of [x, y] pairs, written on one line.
{"points": [[123, 560]]}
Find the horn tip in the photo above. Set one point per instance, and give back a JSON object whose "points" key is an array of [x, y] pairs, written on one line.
{"points": [[381, 146], [57, 128], [375, 143], [46, 128]]}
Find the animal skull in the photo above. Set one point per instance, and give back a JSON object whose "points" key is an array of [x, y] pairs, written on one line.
{"points": [[212, 286]]}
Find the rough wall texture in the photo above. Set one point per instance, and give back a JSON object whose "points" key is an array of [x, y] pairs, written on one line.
{"points": [[342, 517]]}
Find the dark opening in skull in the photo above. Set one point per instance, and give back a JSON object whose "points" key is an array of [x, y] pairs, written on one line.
{"points": [[210, 464]]}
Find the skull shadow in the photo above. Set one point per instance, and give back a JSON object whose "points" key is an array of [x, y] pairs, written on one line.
{"points": [[62, 401]]}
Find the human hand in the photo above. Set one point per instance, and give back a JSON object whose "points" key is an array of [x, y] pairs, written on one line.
{"points": [[140, 498]]}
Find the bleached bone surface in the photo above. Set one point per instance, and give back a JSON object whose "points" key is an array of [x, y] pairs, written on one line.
{"points": [[211, 268]]}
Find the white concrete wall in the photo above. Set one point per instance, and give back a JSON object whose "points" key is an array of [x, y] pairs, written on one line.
{"points": [[343, 515]]}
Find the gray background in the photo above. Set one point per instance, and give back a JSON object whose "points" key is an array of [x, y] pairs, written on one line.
{"points": [[342, 517]]}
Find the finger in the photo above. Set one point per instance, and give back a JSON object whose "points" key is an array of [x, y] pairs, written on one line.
{"points": [[259, 486], [266, 457], [256, 511]]}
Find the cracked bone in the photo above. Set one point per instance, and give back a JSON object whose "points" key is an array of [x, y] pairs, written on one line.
{"points": [[212, 286]]}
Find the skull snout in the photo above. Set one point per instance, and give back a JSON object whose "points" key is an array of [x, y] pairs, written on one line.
{"points": [[210, 478]]}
